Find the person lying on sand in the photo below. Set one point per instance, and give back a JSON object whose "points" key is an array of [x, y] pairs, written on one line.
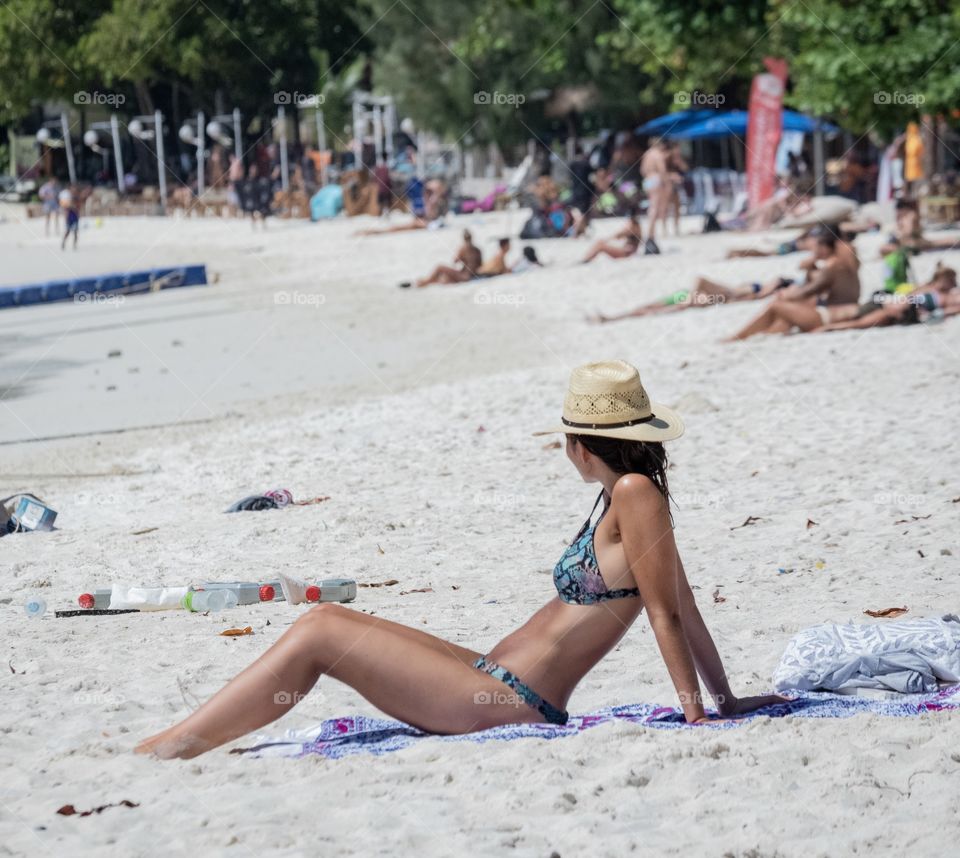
{"points": [[835, 281], [468, 261], [618, 566], [709, 293], [631, 235], [939, 296], [417, 223], [706, 293], [804, 241]]}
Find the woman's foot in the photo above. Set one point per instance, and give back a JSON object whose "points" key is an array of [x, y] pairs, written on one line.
{"points": [[169, 746]]}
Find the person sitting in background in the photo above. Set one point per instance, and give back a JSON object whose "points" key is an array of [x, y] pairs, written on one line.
{"points": [[833, 281], [497, 264], [527, 261], [581, 188], [468, 261], [908, 233], [631, 235]]}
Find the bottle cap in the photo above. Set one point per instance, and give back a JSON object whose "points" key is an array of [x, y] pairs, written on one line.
{"points": [[267, 593], [312, 593], [86, 600]]}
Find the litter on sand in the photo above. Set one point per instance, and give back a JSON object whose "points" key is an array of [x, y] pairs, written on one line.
{"points": [[70, 810], [887, 612], [273, 499]]}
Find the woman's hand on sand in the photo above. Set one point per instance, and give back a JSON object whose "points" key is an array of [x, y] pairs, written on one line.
{"points": [[742, 705], [712, 719]]}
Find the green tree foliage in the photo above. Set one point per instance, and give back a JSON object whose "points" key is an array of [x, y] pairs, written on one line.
{"points": [[437, 57], [245, 50], [868, 65], [874, 65]]}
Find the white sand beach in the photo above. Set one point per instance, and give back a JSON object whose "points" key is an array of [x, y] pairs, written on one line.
{"points": [[305, 367]]}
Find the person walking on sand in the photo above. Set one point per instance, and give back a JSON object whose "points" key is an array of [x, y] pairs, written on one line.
{"points": [[623, 563], [71, 215], [49, 193], [655, 169], [468, 261]]}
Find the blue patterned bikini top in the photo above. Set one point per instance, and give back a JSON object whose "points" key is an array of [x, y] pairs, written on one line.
{"points": [[577, 574]]}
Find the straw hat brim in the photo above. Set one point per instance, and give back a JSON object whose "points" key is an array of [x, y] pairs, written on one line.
{"points": [[665, 426]]}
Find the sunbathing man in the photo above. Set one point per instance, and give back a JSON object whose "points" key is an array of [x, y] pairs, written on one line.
{"points": [[468, 260], [940, 293], [832, 283], [631, 234]]}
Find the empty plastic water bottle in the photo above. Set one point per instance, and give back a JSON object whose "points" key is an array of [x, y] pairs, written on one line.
{"points": [[209, 600], [35, 608]]}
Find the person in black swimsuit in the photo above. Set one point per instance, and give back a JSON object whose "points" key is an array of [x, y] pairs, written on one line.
{"points": [[624, 564]]}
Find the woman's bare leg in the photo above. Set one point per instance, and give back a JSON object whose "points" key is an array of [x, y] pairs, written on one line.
{"points": [[710, 291], [410, 675], [759, 325], [444, 275]]}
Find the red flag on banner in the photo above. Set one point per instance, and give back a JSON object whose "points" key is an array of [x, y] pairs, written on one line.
{"points": [[764, 127]]}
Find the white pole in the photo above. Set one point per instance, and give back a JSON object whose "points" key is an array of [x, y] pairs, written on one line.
{"points": [[284, 166], [818, 162], [117, 154], [237, 134], [377, 132], [322, 146], [68, 145], [389, 129], [201, 151], [357, 134], [161, 161]]}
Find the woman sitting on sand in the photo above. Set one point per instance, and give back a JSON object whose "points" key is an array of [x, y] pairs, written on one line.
{"points": [[624, 562], [632, 236], [468, 261]]}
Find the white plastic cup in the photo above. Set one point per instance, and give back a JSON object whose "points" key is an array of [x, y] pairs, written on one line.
{"points": [[35, 608]]}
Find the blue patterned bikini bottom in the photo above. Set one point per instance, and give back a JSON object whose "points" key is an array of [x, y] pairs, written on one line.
{"points": [[552, 714]]}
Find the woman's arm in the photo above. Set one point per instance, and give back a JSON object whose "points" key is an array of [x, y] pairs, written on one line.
{"points": [[651, 552], [705, 655]]}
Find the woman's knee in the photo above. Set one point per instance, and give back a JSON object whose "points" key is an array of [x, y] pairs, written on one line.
{"points": [[321, 619]]}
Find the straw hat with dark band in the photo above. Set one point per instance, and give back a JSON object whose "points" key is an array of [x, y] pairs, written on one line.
{"points": [[607, 399]]}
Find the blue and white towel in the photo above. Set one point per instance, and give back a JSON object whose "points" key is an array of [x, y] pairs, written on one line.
{"points": [[343, 737], [909, 656]]}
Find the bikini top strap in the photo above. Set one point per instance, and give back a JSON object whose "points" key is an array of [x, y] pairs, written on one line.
{"points": [[586, 524]]}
